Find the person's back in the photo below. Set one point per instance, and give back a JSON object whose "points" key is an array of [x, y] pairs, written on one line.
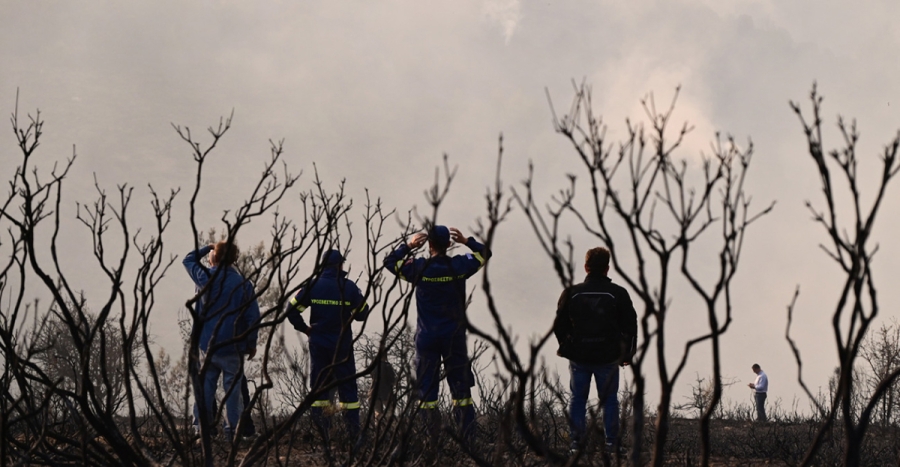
{"points": [[226, 309], [334, 302], [600, 325], [440, 285], [441, 294]]}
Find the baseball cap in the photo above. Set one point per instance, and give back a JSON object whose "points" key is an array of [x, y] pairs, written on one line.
{"points": [[332, 258], [439, 236]]}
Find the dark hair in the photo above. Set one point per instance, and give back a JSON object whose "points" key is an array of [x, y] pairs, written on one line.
{"points": [[756, 365], [226, 253], [597, 259]]}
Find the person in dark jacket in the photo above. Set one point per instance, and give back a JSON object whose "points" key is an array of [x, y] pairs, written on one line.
{"points": [[596, 327], [440, 283], [229, 312], [334, 302]]}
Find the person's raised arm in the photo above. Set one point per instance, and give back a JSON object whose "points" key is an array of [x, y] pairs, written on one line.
{"points": [[198, 272], [397, 261], [480, 253]]}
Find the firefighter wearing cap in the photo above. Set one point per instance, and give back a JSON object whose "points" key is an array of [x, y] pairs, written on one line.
{"points": [[334, 302], [440, 283]]}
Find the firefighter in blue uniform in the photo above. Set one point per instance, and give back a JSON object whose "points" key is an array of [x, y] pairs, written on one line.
{"points": [[334, 302], [440, 283]]}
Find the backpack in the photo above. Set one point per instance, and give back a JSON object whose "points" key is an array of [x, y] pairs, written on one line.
{"points": [[596, 335]]}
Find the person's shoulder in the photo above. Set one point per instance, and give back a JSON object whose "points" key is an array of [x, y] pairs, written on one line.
{"points": [[349, 283], [463, 257], [618, 288], [573, 289]]}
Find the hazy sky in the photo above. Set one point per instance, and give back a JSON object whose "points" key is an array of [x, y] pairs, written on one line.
{"points": [[376, 92]]}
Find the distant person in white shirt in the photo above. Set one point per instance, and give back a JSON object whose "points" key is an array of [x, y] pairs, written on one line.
{"points": [[761, 386]]}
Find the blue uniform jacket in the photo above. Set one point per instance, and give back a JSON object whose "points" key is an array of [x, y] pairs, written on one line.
{"points": [[229, 298], [440, 286], [334, 301]]}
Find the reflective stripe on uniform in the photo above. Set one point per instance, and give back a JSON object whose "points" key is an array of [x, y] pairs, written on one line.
{"points": [[296, 304], [397, 268], [428, 405], [321, 404], [350, 405], [361, 308], [462, 402], [480, 258]]}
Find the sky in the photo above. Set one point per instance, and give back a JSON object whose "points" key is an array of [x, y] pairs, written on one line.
{"points": [[375, 93]]}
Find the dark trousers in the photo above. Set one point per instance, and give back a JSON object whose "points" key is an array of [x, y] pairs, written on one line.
{"points": [[760, 398], [322, 373], [247, 421]]}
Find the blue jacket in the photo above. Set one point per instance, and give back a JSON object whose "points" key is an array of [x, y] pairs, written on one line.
{"points": [[440, 286], [229, 299], [335, 302]]}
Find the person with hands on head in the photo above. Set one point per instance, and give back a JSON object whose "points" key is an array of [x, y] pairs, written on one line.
{"points": [[596, 326], [440, 284], [334, 302], [228, 313]]}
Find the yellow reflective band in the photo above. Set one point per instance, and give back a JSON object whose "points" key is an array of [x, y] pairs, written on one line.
{"points": [[321, 301], [479, 258], [296, 304], [428, 405], [361, 308], [397, 268], [321, 404], [350, 405], [462, 402]]}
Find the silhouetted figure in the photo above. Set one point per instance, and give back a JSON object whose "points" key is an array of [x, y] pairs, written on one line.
{"points": [[596, 327]]}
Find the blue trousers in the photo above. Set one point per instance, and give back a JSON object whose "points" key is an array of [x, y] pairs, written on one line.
{"points": [[607, 380], [227, 365], [450, 351], [320, 375]]}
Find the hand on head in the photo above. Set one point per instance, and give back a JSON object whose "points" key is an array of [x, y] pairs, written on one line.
{"points": [[457, 236], [420, 238], [417, 240]]}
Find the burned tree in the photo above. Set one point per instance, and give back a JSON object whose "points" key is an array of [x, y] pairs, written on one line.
{"points": [[645, 205], [850, 245]]}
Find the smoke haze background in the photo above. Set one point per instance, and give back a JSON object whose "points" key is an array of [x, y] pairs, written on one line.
{"points": [[376, 92]]}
